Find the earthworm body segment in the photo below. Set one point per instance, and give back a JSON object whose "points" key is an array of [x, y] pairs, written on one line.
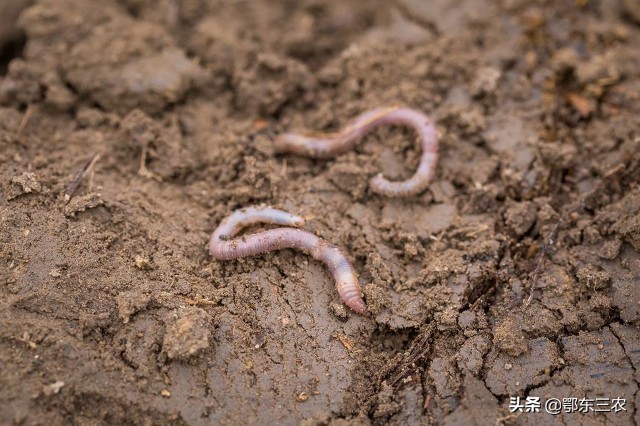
{"points": [[332, 144], [222, 247]]}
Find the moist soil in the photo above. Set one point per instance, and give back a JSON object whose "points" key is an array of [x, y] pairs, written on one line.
{"points": [[516, 273]]}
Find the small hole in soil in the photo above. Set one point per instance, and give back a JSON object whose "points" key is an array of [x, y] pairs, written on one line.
{"points": [[10, 50]]}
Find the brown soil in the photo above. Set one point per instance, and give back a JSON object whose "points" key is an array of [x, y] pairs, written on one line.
{"points": [[515, 274]]}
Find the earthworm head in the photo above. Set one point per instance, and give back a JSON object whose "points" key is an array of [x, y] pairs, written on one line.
{"points": [[297, 222], [294, 143], [358, 306]]}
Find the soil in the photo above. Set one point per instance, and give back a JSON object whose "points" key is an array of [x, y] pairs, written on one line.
{"points": [[517, 273]]}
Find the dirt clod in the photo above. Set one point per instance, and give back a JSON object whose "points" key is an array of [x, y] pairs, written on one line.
{"points": [[187, 333], [83, 203], [610, 249], [131, 302], [26, 183], [520, 217], [509, 338]]}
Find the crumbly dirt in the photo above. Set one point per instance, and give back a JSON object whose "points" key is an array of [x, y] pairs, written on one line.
{"points": [[517, 273]]}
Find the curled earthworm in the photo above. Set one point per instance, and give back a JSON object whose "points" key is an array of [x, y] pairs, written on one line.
{"points": [[329, 145], [222, 247]]}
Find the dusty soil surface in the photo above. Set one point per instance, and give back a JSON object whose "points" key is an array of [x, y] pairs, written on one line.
{"points": [[515, 274]]}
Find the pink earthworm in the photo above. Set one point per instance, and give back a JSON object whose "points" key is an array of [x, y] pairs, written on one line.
{"points": [[222, 247], [328, 145]]}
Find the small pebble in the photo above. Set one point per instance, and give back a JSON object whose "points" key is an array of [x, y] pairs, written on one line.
{"points": [[142, 262], [53, 388]]}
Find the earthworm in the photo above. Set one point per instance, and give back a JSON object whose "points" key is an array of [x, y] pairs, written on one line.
{"points": [[222, 247], [328, 145]]}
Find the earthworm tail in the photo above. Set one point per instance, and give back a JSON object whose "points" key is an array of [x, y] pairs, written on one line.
{"points": [[222, 247], [332, 144]]}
